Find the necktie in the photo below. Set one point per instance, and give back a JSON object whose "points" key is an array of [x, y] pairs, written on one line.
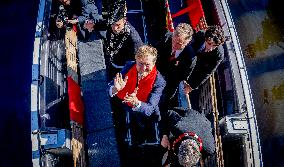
{"points": [[173, 56]]}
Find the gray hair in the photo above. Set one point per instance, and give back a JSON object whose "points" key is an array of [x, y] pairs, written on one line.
{"points": [[184, 29], [146, 50], [188, 153]]}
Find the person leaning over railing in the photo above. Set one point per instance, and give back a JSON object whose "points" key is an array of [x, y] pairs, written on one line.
{"points": [[86, 21], [176, 60], [210, 53]]}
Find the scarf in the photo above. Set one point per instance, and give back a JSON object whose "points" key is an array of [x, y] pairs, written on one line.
{"points": [[145, 84]]}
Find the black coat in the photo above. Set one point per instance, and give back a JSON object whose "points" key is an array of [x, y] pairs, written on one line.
{"points": [[206, 63], [129, 47], [176, 70]]}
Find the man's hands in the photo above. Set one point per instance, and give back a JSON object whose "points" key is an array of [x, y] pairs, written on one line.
{"points": [[119, 83], [59, 23], [165, 142], [187, 89], [132, 98], [89, 25]]}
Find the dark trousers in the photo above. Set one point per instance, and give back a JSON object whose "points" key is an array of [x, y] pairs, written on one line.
{"points": [[169, 98], [131, 135]]}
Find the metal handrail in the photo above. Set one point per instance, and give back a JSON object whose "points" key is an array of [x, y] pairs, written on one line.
{"points": [[255, 150]]}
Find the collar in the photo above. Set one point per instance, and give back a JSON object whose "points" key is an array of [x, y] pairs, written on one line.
{"points": [[177, 52], [186, 135], [202, 48]]}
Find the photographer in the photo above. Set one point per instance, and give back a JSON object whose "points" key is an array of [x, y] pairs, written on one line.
{"points": [[63, 16], [90, 16]]}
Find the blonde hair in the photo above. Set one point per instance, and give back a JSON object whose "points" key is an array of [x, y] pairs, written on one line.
{"points": [[146, 50], [184, 29]]}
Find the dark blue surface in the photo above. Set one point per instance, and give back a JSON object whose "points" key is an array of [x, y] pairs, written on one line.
{"points": [[267, 64], [176, 6], [135, 19], [18, 20]]}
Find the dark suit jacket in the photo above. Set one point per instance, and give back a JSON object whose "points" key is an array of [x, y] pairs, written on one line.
{"points": [[206, 63], [176, 70], [151, 106]]}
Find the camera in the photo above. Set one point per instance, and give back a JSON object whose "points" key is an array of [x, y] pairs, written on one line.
{"points": [[62, 16]]}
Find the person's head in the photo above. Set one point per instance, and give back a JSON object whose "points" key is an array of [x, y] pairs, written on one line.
{"points": [[214, 36], [118, 17], [65, 2], [145, 57], [118, 26], [188, 153], [182, 36]]}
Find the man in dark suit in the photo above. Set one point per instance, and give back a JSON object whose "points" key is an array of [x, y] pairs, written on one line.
{"points": [[209, 52], [136, 93], [176, 59]]}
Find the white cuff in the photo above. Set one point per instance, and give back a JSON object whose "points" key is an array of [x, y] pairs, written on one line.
{"points": [[110, 92], [137, 107]]}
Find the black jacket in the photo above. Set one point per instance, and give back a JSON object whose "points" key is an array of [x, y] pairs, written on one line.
{"points": [[206, 63], [176, 70], [128, 48]]}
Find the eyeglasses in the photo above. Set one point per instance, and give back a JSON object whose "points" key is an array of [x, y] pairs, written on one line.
{"points": [[140, 64]]}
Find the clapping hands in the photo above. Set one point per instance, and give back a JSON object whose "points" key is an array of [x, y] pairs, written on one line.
{"points": [[119, 84], [131, 98]]}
